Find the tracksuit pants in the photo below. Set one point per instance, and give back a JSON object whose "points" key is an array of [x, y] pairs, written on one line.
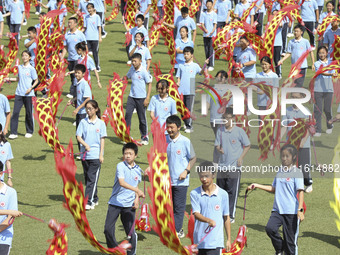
{"points": [[138, 104], [91, 169], [323, 102], [179, 199], [19, 101], [189, 103]]}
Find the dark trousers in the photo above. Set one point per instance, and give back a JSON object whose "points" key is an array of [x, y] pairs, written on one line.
{"points": [[128, 48], [189, 103], [160, 11], [15, 28], [38, 7], [323, 99], [102, 18], [18, 103], [304, 162], [299, 81], [79, 117], [146, 23], [198, 13], [91, 169], [127, 216], [216, 251], [209, 50], [259, 18], [320, 7], [290, 229], [309, 25], [73, 90], [122, 6], [230, 182], [179, 200], [216, 154], [277, 56], [220, 25], [94, 47], [4, 249], [284, 36], [138, 104]]}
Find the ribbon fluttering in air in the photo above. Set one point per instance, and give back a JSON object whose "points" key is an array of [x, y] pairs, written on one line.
{"points": [[44, 115], [75, 200], [160, 192], [6, 64], [299, 131], [194, 7], [114, 12], [116, 91], [130, 13], [59, 242], [240, 242]]}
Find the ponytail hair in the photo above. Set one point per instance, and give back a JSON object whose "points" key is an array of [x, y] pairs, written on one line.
{"points": [[2, 135], [95, 106]]}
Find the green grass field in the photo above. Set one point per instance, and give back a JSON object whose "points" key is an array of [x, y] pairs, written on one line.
{"points": [[39, 187]]}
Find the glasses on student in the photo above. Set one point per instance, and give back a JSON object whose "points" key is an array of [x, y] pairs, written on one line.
{"points": [[89, 109]]}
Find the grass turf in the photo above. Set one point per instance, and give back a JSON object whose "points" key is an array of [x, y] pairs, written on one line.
{"points": [[39, 187]]}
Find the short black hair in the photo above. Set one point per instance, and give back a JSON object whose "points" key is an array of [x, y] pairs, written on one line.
{"points": [[80, 67], [186, 29], [188, 49], [291, 149], [32, 29], [73, 18], [185, 10], [223, 74], [141, 35], [81, 46], [330, 2], [206, 166], [26, 51], [136, 55], [228, 110], [1, 166], [90, 4], [163, 82], [266, 59], [132, 146], [209, 1], [299, 26], [322, 47], [245, 38], [173, 119], [140, 16]]}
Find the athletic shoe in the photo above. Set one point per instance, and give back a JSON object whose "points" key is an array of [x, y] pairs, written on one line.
{"points": [[289, 35], [69, 96], [78, 158], [317, 134], [104, 35], [232, 220], [25, 23], [181, 234], [210, 68], [28, 135], [145, 141], [99, 70], [96, 203], [134, 111], [74, 123], [89, 207], [129, 62], [309, 189], [329, 131], [188, 130], [90, 53], [37, 13], [283, 54], [13, 136]]}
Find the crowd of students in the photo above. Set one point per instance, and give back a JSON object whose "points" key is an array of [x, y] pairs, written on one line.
{"points": [[213, 205]]}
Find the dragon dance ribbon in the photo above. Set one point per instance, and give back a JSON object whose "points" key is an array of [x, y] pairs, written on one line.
{"points": [[296, 134], [75, 200], [325, 23], [27, 4], [130, 13], [6, 63], [59, 243], [44, 115], [194, 7], [116, 91], [238, 245], [114, 12], [336, 187], [160, 192]]}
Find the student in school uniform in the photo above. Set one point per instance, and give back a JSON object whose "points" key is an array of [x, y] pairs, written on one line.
{"points": [[100, 6], [223, 8], [72, 37], [296, 48], [9, 200], [181, 158], [140, 48], [139, 97], [1, 24], [145, 6], [17, 12], [210, 207], [91, 133], [246, 58], [124, 200], [31, 44], [92, 30], [27, 80], [162, 105], [209, 24], [6, 155], [241, 7], [180, 44], [5, 113], [233, 144], [310, 14], [329, 11], [82, 6], [329, 38]]}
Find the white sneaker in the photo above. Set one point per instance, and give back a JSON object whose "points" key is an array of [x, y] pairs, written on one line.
{"points": [[309, 189], [90, 53], [96, 203], [69, 96], [89, 207], [210, 68], [25, 23], [232, 220], [78, 158], [74, 124], [13, 136], [134, 110], [317, 134], [37, 13], [145, 142], [129, 62], [290, 35], [329, 131], [28, 135], [181, 234], [104, 35], [188, 130]]}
